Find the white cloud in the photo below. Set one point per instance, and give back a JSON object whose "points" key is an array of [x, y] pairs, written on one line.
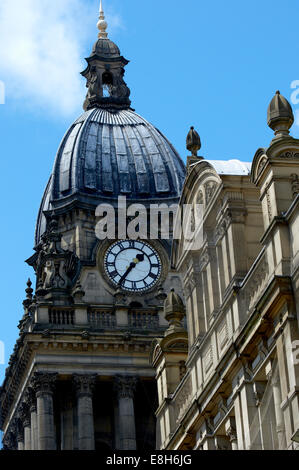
{"points": [[42, 50]]}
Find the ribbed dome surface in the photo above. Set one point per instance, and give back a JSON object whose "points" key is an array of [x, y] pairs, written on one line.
{"points": [[106, 48], [108, 153]]}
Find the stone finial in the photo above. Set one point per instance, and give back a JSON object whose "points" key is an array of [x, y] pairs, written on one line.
{"points": [[193, 142], [280, 116], [174, 311], [102, 24], [29, 291]]}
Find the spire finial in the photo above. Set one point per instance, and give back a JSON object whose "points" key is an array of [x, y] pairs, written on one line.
{"points": [[102, 24], [280, 116]]}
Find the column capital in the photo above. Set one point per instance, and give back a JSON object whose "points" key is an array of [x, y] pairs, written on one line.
{"points": [[125, 386], [84, 384], [43, 383], [231, 434], [24, 414], [20, 430], [10, 440], [30, 398]]}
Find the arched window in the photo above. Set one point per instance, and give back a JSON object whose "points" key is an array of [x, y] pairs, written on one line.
{"points": [[107, 81]]}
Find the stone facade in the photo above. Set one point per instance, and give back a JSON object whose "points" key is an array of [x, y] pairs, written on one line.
{"points": [[240, 388]]}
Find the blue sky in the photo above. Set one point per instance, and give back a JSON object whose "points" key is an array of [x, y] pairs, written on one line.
{"points": [[214, 65]]}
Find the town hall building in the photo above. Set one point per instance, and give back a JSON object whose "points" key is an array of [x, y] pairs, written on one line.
{"points": [[141, 343]]}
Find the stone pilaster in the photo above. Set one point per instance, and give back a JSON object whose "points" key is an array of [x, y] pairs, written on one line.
{"points": [[231, 433], [31, 398], [25, 418], [20, 434], [125, 388], [273, 376], [10, 441], [84, 386], [43, 384]]}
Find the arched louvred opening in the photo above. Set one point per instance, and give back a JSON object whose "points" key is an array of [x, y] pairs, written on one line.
{"points": [[107, 82]]}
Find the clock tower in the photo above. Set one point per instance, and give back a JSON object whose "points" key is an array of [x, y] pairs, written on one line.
{"points": [[80, 376]]}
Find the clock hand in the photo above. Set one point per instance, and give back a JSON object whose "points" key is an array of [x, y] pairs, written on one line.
{"points": [[139, 258], [132, 266]]}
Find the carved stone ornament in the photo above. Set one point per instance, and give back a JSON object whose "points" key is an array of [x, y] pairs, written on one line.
{"points": [[10, 440], [43, 382], [20, 430], [290, 155], [24, 414], [295, 185], [210, 189], [30, 398], [125, 386], [231, 434], [262, 165], [55, 267], [84, 384]]}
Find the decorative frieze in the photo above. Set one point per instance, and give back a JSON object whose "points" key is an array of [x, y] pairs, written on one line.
{"points": [[182, 399], [223, 334], [208, 359], [295, 185]]}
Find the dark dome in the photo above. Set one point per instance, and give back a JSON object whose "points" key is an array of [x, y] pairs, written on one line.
{"points": [[106, 48], [108, 153]]}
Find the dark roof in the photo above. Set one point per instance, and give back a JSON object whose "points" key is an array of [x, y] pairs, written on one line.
{"points": [[108, 153], [106, 48]]}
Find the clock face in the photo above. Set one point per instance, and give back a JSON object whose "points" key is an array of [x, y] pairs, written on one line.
{"points": [[132, 265]]}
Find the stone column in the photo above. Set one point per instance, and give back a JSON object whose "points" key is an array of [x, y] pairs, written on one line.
{"points": [[43, 384], [125, 388], [20, 434], [24, 414], [31, 397], [230, 429], [10, 440], [275, 382], [84, 386]]}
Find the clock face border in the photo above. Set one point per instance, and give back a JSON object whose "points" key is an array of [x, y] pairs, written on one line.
{"points": [[153, 244], [118, 266]]}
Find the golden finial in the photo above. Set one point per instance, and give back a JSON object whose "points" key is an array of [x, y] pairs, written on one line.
{"points": [[102, 24]]}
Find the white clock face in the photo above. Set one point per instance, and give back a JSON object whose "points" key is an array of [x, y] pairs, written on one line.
{"points": [[132, 265]]}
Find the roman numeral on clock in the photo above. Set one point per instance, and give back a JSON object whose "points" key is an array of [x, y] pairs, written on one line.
{"points": [[113, 273]]}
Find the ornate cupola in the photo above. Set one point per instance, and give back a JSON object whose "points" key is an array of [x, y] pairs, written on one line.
{"points": [[104, 73]]}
